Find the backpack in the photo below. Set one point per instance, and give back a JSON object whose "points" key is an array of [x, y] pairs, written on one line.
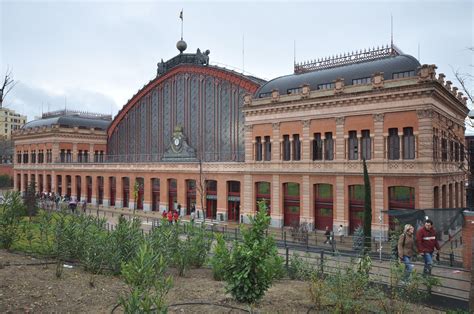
{"points": [[395, 246]]}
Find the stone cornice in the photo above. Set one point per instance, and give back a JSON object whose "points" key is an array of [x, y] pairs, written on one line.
{"points": [[359, 96]]}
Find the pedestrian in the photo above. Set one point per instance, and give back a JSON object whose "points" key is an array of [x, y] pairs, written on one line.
{"points": [[327, 233], [193, 215], [175, 216], [84, 206], [426, 243], [340, 233], [170, 217], [406, 249]]}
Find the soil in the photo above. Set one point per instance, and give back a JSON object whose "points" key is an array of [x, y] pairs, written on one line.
{"points": [[35, 288]]}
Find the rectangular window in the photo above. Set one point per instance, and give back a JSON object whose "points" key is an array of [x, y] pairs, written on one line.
{"points": [[366, 145], [18, 158], [33, 157], [328, 146], [326, 86], [456, 151], [264, 95], [435, 147], [79, 156], [444, 149], [393, 144], [286, 147], [451, 150], [403, 74], [296, 147], [86, 156], [258, 148], [461, 153], [353, 145], [268, 149], [62, 155], [317, 147], [293, 91], [25, 157], [360, 81], [408, 143]]}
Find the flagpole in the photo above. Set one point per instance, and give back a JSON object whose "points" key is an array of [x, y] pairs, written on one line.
{"points": [[182, 22]]}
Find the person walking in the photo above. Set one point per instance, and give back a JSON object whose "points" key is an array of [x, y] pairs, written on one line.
{"points": [[327, 233], [340, 233], [426, 243], [406, 249]]}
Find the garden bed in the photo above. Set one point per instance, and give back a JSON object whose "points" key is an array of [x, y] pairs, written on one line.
{"points": [[36, 289]]}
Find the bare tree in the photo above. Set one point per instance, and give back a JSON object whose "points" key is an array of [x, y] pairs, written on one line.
{"points": [[201, 187], [7, 85]]}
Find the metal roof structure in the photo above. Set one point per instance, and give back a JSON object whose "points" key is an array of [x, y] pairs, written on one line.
{"points": [[70, 118], [388, 64]]}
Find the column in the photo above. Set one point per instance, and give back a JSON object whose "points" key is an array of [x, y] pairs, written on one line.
{"points": [[249, 207], [425, 137], [55, 152], [277, 211], [181, 195], [131, 192], [147, 194], [340, 217], [276, 143], [306, 142], [60, 182], [222, 199], [91, 153], [74, 152], [53, 181], [378, 137], [164, 197], [84, 188], [106, 200], [15, 180], [425, 192], [45, 186], [73, 187], [377, 225], [305, 213], [340, 153], [118, 191], [248, 143]]}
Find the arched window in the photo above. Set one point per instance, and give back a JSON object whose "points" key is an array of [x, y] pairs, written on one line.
{"points": [[323, 206], [263, 193], [356, 206], [291, 192]]}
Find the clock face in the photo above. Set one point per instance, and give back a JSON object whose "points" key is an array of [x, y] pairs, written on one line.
{"points": [[176, 141]]}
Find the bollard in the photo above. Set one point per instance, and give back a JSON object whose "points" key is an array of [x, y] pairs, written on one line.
{"points": [[287, 257], [321, 265]]}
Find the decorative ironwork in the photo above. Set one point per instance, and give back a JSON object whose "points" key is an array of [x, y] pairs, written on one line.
{"points": [[347, 58], [77, 113]]}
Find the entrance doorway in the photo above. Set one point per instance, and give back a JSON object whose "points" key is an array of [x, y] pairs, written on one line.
{"points": [[211, 199], [291, 204], [233, 201], [356, 207], [323, 206]]}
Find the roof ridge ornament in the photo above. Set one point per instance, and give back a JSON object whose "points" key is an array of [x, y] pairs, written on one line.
{"points": [[346, 59]]}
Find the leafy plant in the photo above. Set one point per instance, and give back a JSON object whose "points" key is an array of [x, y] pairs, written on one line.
{"points": [[220, 259], [251, 265], [299, 268], [11, 212], [145, 276], [124, 242]]}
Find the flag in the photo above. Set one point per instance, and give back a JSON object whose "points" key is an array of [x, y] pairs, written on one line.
{"points": [[181, 15]]}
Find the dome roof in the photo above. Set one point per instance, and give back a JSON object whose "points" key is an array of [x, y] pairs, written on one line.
{"points": [[68, 119], [388, 65]]}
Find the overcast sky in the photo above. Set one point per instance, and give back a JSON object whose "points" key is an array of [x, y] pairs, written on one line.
{"points": [[94, 55]]}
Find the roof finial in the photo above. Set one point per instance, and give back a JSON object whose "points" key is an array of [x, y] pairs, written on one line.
{"points": [[181, 45]]}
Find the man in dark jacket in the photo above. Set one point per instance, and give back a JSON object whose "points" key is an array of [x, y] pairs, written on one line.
{"points": [[426, 242]]}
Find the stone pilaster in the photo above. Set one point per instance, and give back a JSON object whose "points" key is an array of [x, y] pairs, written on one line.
{"points": [[74, 152], [147, 195], [53, 181], [305, 213], [276, 146], [425, 138], [425, 190], [277, 210], [73, 187], [106, 200], [55, 153], [340, 205], [248, 207], [377, 225], [340, 153], [248, 143], [118, 192], [306, 141], [378, 137]]}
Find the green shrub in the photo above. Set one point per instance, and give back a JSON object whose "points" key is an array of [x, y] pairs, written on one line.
{"points": [[251, 271], [11, 212], [299, 268], [220, 259], [145, 276], [200, 244], [124, 242]]}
